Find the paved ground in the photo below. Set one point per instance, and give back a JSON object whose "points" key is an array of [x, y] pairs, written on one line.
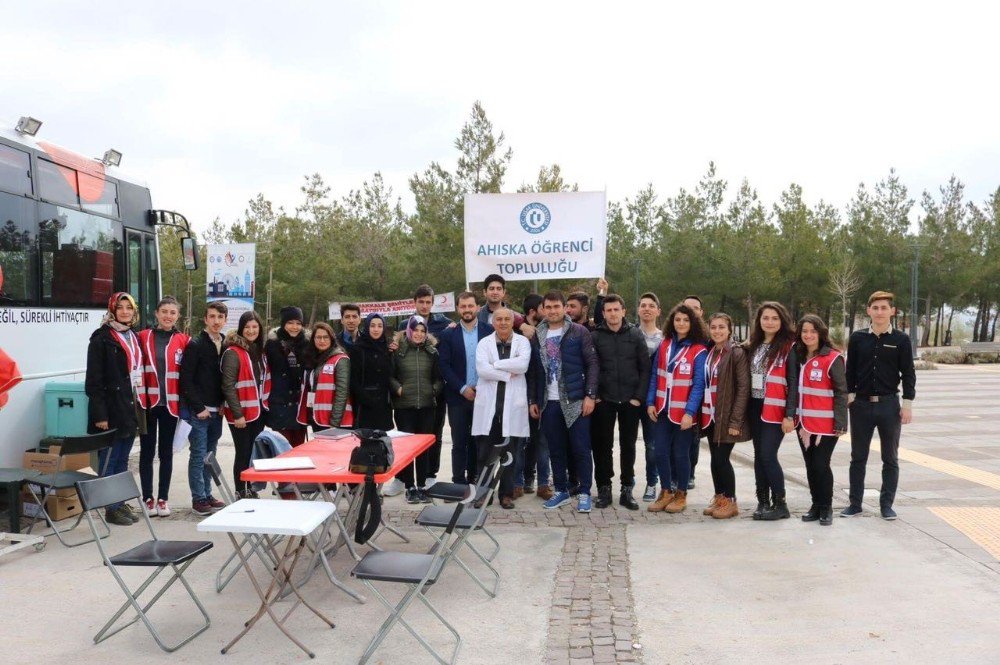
{"points": [[617, 586]]}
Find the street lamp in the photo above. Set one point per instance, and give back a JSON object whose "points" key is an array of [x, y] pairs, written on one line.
{"points": [[915, 245]]}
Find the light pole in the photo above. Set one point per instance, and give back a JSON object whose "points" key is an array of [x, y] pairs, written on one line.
{"points": [[914, 283], [635, 264]]}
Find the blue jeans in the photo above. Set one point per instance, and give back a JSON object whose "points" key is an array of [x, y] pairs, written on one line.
{"points": [[673, 448], [114, 460], [463, 448], [565, 443], [649, 439], [536, 444], [204, 439]]}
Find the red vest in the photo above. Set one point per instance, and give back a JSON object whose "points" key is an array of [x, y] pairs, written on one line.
{"points": [[673, 388], [324, 394], [775, 390], [133, 358], [816, 394], [174, 353], [252, 396], [711, 388]]}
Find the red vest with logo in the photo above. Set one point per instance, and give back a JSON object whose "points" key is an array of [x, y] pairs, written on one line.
{"points": [[174, 354], [674, 388], [776, 389], [816, 394], [133, 358], [324, 394], [711, 388], [253, 395]]}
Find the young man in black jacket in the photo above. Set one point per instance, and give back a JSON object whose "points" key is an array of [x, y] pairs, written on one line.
{"points": [[624, 378], [201, 396]]}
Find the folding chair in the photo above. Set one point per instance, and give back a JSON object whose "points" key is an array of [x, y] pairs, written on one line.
{"points": [[473, 519], [61, 480], [156, 553], [257, 544], [417, 571]]}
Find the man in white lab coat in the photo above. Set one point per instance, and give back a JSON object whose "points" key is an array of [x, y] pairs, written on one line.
{"points": [[501, 407]]}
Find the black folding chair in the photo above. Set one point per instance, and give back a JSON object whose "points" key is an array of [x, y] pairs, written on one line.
{"points": [[160, 554], [473, 519], [417, 571], [61, 480]]}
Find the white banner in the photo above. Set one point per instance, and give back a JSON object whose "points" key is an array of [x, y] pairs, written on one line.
{"points": [[443, 302], [556, 235], [231, 278]]}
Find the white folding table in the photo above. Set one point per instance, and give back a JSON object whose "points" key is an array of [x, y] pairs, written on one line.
{"points": [[270, 518]]}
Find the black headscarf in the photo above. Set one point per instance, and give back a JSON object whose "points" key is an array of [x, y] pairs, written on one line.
{"points": [[365, 339]]}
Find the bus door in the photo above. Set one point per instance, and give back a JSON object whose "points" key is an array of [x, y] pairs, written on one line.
{"points": [[143, 273]]}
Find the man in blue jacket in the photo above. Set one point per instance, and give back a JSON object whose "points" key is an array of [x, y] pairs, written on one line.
{"points": [[457, 356], [569, 384]]}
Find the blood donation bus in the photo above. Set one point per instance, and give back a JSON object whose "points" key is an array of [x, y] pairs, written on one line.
{"points": [[73, 230]]}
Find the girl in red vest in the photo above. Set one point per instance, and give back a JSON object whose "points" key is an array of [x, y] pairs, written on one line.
{"points": [[673, 401], [162, 350], [326, 384], [246, 384], [724, 411], [822, 411], [774, 401], [116, 393]]}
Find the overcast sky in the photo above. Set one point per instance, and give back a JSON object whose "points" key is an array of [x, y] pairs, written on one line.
{"points": [[212, 102]]}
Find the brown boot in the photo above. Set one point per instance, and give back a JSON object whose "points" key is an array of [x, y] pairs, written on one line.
{"points": [[679, 503], [713, 505], [726, 509], [666, 496], [518, 492], [544, 492]]}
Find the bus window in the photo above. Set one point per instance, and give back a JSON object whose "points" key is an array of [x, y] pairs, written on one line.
{"points": [[98, 195], [58, 183], [78, 257], [15, 168], [152, 277], [17, 252], [135, 268]]}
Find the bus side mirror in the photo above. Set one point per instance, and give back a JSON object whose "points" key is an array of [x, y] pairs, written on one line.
{"points": [[189, 250]]}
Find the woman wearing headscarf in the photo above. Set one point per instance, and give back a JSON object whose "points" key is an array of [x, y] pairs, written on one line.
{"points": [[246, 385], [116, 391], [371, 370]]}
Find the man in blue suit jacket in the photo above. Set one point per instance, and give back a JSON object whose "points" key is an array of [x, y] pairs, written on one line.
{"points": [[457, 356]]}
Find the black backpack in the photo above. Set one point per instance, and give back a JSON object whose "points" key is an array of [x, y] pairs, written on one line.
{"points": [[372, 456]]}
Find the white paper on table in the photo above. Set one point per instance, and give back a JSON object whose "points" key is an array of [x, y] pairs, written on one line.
{"points": [[283, 463], [395, 434], [181, 435]]}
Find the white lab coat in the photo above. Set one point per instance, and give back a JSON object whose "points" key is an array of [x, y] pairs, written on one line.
{"points": [[491, 372]]}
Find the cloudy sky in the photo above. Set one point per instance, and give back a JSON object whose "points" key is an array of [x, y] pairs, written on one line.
{"points": [[213, 102]]}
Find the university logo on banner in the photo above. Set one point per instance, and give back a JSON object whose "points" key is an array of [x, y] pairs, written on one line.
{"points": [[231, 278], [541, 235]]}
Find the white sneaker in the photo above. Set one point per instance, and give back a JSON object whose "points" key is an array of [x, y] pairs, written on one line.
{"points": [[393, 487], [150, 507], [430, 481], [162, 508]]}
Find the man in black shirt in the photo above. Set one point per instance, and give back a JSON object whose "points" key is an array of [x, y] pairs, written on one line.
{"points": [[878, 359]]}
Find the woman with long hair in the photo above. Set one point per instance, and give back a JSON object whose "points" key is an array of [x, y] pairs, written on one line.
{"points": [[673, 400], [774, 402], [285, 350], [162, 350], [116, 392], [246, 386], [822, 411], [326, 383], [724, 411]]}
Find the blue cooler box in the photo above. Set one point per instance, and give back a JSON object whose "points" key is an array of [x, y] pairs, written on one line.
{"points": [[65, 409]]}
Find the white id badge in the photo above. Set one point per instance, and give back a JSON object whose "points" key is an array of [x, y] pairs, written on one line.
{"points": [[685, 368], [757, 381], [136, 376], [310, 399], [815, 375]]}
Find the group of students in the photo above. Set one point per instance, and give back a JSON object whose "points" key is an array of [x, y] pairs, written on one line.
{"points": [[551, 384]]}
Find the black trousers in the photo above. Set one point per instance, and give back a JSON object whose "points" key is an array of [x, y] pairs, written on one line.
{"points": [[766, 441], [723, 475], [243, 441], [416, 421], [485, 448], [866, 417], [602, 437], [818, 472], [158, 440]]}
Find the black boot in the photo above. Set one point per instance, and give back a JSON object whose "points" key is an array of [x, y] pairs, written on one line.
{"points": [[603, 497], [626, 499], [826, 516], [777, 512], [763, 503], [812, 515]]}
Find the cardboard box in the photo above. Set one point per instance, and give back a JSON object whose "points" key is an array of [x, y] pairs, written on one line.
{"points": [[58, 507], [49, 462]]}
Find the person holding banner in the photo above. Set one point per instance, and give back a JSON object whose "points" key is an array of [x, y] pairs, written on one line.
{"points": [[495, 292], [116, 392], [246, 386], [162, 352], [326, 382], [673, 400], [285, 349]]}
